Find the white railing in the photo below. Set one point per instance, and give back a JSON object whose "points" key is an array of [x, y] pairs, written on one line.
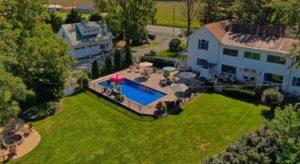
{"points": [[127, 102]]}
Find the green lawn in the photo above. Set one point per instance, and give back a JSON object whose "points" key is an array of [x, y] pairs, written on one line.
{"points": [[92, 130], [64, 15], [168, 54], [164, 15]]}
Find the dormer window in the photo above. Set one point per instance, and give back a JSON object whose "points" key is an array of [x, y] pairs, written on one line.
{"points": [[203, 44]]}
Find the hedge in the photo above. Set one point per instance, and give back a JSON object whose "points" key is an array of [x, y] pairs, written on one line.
{"points": [[160, 63], [240, 94]]}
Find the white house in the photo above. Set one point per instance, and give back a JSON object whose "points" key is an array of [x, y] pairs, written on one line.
{"points": [[87, 38], [246, 53], [54, 8]]}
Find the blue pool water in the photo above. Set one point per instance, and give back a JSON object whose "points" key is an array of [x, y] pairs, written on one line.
{"points": [[136, 92]]}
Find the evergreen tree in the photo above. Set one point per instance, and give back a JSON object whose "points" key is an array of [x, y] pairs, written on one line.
{"points": [[73, 17], [95, 70], [128, 57], [95, 17], [108, 65], [55, 22], [117, 60]]}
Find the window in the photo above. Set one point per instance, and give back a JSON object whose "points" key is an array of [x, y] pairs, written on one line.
{"points": [[230, 52], [90, 46], [203, 44], [82, 47], [102, 46], [201, 61], [276, 59], [296, 82], [228, 69], [77, 48], [95, 45], [252, 55], [273, 78]]}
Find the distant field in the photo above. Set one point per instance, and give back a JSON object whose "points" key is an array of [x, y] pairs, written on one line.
{"points": [[164, 14], [69, 2]]}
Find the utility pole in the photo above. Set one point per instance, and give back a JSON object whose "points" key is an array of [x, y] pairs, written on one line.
{"points": [[174, 10]]}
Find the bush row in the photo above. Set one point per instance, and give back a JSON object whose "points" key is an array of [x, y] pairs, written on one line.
{"points": [[160, 63], [241, 94]]}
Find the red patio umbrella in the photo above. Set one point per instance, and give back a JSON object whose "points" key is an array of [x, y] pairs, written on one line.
{"points": [[117, 78]]}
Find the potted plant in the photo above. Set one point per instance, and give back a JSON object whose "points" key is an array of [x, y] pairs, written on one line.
{"points": [[159, 104], [119, 88], [164, 109], [121, 98], [112, 86]]}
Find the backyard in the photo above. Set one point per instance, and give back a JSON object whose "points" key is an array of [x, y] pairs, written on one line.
{"points": [[90, 129]]}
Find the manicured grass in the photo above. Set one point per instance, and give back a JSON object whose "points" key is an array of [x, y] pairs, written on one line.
{"points": [[90, 129], [168, 54]]}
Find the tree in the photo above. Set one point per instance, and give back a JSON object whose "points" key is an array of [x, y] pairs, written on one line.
{"points": [[117, 60], [55, 22], [95, 70], [95, 17], [209, 11], [256, 147], [128, 57], [175, 45], [267, 12], [108, 64], [73, 17], [191, 9], [12, 91], [133, 16], [41, 58], [287, 123], [272, 97]]}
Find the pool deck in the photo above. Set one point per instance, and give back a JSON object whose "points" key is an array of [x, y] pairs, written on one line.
{"points": [[152, 82]]}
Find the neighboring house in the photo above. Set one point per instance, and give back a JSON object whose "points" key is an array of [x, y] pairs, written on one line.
{"points": [[68, 8], [85, 9], [246, 53], [54, 8], [87, 38]]}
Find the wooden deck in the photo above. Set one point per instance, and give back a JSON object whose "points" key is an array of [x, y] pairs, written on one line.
{"points": [[152, 82]]}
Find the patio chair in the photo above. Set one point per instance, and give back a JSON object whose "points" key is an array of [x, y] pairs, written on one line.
{"points": [[28, 130], [12, 151]]}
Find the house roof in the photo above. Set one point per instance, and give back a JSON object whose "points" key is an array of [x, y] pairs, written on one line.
{"points": [[270, 38], [76, 38], [69, 7], [88, 6]]}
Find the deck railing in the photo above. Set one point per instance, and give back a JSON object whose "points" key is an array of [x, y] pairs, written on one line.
{"points": [[127, 102]]}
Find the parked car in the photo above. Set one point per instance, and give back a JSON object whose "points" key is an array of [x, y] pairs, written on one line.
{"points": [[151, 36]]}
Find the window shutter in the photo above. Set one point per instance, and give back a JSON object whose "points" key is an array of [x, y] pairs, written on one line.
{"points": [[199, 44], [207, 44]]}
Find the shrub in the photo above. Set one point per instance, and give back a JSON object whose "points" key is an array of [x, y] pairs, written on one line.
{"points": [[152, 53], [174, 45], [240, 93], [83, 80], [52, 107], [157, 62], [272, 97], [128, 57], [256, 147], [35, 113]]}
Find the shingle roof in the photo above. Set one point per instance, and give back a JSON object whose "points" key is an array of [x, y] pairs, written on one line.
{"points": [[76, 38], [268, 38], [89, 6]]}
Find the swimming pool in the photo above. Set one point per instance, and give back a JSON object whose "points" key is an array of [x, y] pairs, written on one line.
{"points": [[137, 92]]}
